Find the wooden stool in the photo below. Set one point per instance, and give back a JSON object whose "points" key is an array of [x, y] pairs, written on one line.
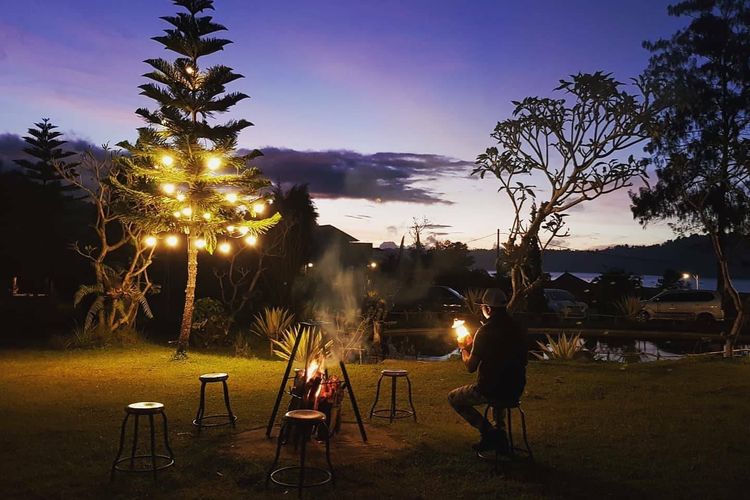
{"points": [[393, 412], [138, 409], [210, 378], [305, 421]]}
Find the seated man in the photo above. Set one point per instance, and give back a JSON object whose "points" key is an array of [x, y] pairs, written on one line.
{"points": [[499, 353]]}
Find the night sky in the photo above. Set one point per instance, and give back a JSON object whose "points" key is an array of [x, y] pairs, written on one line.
{"points": [[381, 106]]}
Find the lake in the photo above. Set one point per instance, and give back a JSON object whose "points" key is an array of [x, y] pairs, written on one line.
{"points": [[651, 281]]}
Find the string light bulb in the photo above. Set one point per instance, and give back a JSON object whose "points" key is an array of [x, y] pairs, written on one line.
{"points": [[172, 240], [150, 241], [167, 160], [251, 240], [200, 243], [231, 197], [207, 215], [225, 247], [176, 214], [243, 230], [180, 197], [213, 163], [259, 207], [187, 211], [168, 188], [189, 70]]}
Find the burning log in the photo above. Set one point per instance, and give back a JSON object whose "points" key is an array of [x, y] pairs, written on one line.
{"points": [[314, 389]]}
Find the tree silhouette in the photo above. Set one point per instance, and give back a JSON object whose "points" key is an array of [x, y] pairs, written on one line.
{"points": [[700, 145], [190, 182], [45, 146]]}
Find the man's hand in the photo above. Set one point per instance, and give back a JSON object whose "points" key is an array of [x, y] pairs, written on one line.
{"points": [[465, 342]]}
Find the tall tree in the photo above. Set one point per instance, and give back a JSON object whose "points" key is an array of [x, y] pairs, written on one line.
{"points": [[701, 144], [574, 149], [45, 146], [191, 182]]}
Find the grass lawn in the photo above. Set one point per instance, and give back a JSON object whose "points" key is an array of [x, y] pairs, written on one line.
{"points": [[667, 429]]}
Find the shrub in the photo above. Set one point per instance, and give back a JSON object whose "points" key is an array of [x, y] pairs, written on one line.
{"points": [[242, 347], [311, 344], [563, 348], [211, 322], [271, 323], [628, 306]]}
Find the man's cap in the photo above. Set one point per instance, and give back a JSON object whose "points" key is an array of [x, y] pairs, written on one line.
{"points": [[494, 297]]}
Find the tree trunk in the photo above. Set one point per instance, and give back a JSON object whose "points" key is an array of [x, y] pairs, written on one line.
{"points": [[737, 316], [187, 312]]}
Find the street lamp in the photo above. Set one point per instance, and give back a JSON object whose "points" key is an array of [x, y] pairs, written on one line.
{"points": [[687, 276]]}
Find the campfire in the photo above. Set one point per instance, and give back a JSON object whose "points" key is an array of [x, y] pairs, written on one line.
{"points": [[314, 389]]}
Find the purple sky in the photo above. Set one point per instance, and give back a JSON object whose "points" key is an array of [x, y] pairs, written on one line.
{"points": [[347, 80]]}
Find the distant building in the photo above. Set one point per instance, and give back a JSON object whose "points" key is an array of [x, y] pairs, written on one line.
{"points": [[581, 289], [330, 241]]}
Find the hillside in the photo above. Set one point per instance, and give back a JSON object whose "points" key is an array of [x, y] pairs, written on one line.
{"points": [[692, 253]]}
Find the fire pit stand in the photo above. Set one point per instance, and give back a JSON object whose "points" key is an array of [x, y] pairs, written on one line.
{"points": [[286, 377]]}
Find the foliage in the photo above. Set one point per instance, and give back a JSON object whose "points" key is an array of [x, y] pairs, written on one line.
{"points": [[210, 322], [670, 279], [611, 286], [100, 337], [272, 322], [189, 179], [563, 348], [700, 145], [573, 147], [45, 146], [242, 345], [311, 345], [628, 306]]}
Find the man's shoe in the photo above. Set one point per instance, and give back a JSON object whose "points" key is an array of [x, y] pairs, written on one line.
{"points": [[489, 441]]}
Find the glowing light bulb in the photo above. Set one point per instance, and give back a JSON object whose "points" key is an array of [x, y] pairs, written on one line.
{"points": [[187, 211], [231, 197], [176, 214], [168, 188], [150, 241], [167, 160], [189, 70], [213, 163], [225, 247], [243, 230], [207, 215], [373, 265], [180, 197], [230, 229], [251, 240], [172, 240], [259, 207], [309, 264], [200, 243]]}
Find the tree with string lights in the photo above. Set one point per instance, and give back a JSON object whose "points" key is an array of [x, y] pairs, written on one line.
{"points": [[191, 187]]}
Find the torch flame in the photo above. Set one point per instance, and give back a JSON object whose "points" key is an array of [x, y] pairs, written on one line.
{"points": [[461, 331]]}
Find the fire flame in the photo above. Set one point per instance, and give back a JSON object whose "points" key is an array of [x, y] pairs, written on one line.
{"points": [[461, 331], [312, 369]]}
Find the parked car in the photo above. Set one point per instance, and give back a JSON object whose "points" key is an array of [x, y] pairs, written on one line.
{"points": [[686, 305], [564, 304]]}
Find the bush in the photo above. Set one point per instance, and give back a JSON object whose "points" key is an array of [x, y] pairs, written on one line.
{"points": [[271, 323], [563, 348], [311, 345], [98, 337], [211, 323], [628, 306]]}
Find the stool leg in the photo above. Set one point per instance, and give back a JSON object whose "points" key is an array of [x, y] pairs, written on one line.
{"points": [[511, 446], [119, 448], [328, 453], [226, 402], [525, 438], [135, 442], [153, 444], [413, 411], [393, 399], [377, 396], [166, 436], [302, 451], [279, 442], [201, 407]]}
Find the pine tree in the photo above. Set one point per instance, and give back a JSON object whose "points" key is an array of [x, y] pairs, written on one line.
{"points": [[190, 181], [45, 147]]}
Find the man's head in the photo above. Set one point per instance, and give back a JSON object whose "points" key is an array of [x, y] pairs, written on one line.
{"points": [[493, 298]]}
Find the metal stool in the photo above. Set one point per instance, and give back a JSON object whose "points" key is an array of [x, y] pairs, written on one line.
{"points": [[306, 421], [210, 378], [512, 449], [138, 409], [393, 412]]}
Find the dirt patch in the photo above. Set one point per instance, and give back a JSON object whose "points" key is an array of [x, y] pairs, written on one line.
{"points": [[346, 446]]}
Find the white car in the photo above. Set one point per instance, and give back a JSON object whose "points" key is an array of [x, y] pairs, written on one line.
{"points": [[686, 305], [564, 304]]}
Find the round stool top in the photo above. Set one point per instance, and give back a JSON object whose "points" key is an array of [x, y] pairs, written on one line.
{"points": [[395, 373], [213, 377], [306, 415], [145, 407]]}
